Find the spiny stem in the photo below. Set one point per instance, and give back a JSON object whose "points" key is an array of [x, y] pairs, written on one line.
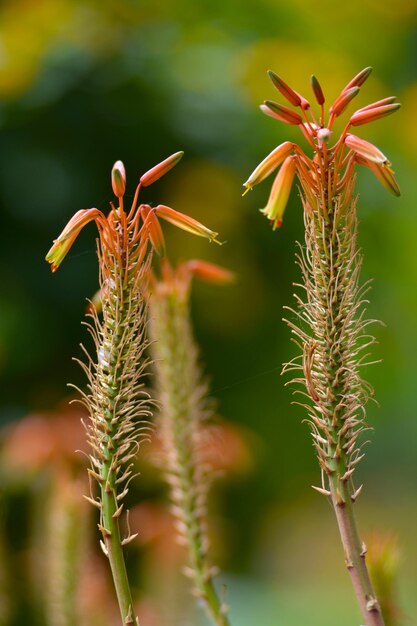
{"points": [[330, 327], [332, 377], [355, 552]]}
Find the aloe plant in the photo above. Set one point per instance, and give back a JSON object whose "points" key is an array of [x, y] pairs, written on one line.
{"points": [[118, 404], [329, 321]]}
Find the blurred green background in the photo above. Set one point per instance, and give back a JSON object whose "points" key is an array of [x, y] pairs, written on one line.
{"points": [[85, 83]]}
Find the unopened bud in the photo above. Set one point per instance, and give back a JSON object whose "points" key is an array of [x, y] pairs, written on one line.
{"points": [[364, 116], [159, 170], [359, 79], [380, 103], [118, 179], [288, 93], [318, 91], [343, 100], [281, 112]]}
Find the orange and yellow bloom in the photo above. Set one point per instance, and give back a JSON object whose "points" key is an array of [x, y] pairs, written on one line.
{"points": [[329, 172]]}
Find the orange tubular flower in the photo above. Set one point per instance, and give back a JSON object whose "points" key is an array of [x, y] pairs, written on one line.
{"points": [[280, 192], [338, 158], [185, 222], [269, 164]]}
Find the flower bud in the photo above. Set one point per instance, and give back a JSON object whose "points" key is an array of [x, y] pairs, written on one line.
{"points": [[159, 170], [365, 149], [342, 101], [118, 179], [288, 93], [364, 116], [281, 112], [359, 79], [269, 164], [380, 103], [318, 92], [280, 192]]}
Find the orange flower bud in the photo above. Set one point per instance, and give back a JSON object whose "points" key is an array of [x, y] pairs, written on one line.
{"points": [[380, 103], [365, 149], [281, 112], [70, 233], [185, 222], [153, 227], [159, 170], [359, 79], [269, 164], [318, 92], [342, 101], [364, 116], [210, 272], [288, 93], [280, 192], [118, 179]]}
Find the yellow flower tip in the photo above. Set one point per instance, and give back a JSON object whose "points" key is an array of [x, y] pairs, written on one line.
{"points": [[280, 192], [62, 245], [382, 172], [118, 179], [161, 169], [269, 164], [248, 188]]}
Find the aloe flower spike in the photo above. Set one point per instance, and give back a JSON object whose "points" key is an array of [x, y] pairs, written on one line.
{"points": [[329, 323], [118, 404]]}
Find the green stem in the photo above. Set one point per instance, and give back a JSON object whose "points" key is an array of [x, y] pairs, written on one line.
{"points": [[214, 605], [113, 543], [355, 552]]}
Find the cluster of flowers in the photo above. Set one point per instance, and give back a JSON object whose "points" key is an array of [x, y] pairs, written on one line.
{"points": [[339, 158]]}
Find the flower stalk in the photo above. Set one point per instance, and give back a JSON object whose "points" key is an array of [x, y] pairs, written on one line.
{"points": [[184, 410], [118, 404], [330, 326]]}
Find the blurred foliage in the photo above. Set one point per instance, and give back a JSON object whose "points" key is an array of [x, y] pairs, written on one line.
{"points": [[83, 83]]}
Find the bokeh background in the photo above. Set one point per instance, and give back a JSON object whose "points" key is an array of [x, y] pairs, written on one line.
{"points": [[83, 83]]}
